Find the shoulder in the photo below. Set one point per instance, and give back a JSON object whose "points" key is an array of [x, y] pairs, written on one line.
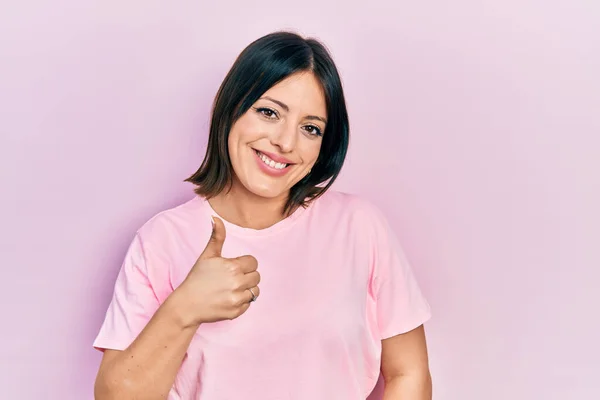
{"points": [[172, 222], [348, 203], [353, 207]]}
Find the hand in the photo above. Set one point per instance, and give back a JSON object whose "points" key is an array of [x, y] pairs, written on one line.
{"points": [[218, 288]]}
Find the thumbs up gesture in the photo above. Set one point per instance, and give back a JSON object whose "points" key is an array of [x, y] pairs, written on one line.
{"points": [[219, 288]]}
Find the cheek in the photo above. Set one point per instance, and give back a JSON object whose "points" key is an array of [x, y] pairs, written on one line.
{"points": [[244, 129], [236, 131], [238, 136], [231, 144], [311, 151]]}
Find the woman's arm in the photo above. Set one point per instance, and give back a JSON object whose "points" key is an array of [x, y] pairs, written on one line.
{"points": [[405, 367], [215, 289], [148, 367]]}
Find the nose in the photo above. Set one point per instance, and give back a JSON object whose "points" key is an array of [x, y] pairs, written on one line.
{"points": [[285, 138]]}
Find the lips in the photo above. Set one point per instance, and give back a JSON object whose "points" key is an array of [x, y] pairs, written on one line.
{"points": [[271, 162], [269, 166], [275, 157]]}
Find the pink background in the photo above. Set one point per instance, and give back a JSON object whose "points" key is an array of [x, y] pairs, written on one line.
{"points": [[476, 127]]}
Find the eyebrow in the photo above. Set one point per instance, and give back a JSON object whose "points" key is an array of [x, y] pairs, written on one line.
{"points": [[287, 109]]}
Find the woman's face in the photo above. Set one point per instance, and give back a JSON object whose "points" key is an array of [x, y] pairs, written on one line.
{"points": [[277, 141]]}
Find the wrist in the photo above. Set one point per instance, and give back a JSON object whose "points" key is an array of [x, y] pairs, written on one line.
{"points": [[179, 309]]}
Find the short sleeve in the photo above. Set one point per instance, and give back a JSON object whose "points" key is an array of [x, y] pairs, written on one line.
{"points": [[400, 303], [133, 303]]}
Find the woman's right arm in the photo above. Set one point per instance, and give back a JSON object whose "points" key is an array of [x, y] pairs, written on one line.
{"points": [[215, 289], [148, 367]]}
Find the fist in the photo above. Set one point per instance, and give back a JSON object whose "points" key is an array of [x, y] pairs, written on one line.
{"points": [[218, 288]]}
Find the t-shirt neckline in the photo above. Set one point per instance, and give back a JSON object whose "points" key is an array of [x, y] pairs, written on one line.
{"points": [[238, 230]]}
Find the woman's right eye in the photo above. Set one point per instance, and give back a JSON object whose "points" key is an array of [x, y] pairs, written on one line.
{"points": [[267, 112]]}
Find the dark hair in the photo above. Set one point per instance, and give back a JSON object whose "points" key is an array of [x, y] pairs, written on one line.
{"points": [[265, 62]]}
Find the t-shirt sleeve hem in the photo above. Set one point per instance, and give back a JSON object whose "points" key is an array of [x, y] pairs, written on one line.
{"points": [[405, 326], [107, 344]]}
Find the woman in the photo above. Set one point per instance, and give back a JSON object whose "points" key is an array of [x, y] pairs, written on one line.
{"points": [[335, 301]]}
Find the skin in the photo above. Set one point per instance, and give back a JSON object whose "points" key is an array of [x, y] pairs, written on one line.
{"points": [[405, 367], [286, 121]]}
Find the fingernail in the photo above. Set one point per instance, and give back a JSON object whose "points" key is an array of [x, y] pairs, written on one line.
{"points": [[212, 221]]}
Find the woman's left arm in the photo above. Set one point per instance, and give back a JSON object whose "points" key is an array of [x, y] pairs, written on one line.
{"points": [[405, 366]]}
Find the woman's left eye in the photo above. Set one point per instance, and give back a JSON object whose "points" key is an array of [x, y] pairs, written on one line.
{"points": [[313, 130]]}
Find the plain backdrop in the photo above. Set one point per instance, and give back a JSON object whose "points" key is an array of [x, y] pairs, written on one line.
{"points": [[475, 126]]}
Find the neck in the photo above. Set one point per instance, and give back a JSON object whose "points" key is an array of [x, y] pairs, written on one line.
{"points": [[243, 208]]}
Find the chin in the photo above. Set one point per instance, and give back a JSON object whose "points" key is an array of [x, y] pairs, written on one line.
{"points": [[266, 192]]}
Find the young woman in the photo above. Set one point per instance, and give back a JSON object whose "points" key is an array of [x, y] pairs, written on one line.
{"points": [[267, 285]]}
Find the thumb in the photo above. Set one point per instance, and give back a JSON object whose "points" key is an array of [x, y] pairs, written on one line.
{"points": [[217, 238]]}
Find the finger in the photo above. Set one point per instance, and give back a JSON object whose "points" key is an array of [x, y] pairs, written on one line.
{"points": [[247, 263], [253, 293], [217, 238], [251, 279], [245, 281], [239, 310]]}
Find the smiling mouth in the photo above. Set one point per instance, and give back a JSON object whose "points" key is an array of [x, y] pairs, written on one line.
{"points": [[269, 162]]}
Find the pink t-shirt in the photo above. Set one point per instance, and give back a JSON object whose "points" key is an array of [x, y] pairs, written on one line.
{"points": [[334, 283]]}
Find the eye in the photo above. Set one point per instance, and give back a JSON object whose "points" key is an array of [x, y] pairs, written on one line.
{"points": [[267, 112], [313, 130]]}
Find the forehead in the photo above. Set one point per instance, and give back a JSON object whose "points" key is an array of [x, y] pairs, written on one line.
{"points": [[301, 92]]}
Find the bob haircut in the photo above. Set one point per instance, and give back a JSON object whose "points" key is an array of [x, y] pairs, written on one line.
{"points": [[265, 62]]}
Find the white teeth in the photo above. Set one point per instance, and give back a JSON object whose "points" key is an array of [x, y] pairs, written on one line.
{"points": [[270, 162]]}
